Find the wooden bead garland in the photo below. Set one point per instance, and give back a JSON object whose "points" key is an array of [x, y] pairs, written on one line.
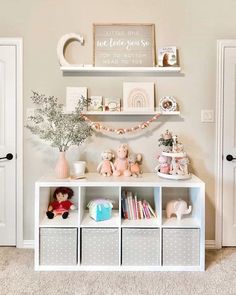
{"points": [[120, 131]]}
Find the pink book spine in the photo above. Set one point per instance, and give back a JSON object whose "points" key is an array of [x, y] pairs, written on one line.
{"points": [[146, 210], [136, 206]]}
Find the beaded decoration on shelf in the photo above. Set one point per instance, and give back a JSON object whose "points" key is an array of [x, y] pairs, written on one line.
{"points": [[100, 127]]}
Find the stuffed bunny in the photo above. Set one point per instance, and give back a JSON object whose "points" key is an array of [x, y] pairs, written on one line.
{"points": [[121, 163]]}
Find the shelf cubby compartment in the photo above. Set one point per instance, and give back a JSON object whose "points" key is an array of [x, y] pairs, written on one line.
{"points": [[46, 196], [192, 195], [152, 196], [140, 247], [88, 194], [100, 246]]}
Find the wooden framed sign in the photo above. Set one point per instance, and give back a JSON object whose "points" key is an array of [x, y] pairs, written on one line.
{"points": [[124, 45]]}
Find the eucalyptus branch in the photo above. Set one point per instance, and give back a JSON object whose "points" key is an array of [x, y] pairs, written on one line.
{"points": [[51, 124]]}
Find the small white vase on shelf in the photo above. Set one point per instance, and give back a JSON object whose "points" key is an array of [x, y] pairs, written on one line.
{"points": [[62, 167]]}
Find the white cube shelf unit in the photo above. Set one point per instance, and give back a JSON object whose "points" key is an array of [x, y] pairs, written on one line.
{"points": [[157, 244]]}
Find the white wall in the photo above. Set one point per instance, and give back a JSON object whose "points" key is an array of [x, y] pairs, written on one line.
{"points": [[193, 26]]}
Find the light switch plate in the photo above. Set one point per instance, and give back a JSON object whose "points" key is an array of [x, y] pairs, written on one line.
{"points": [[207, 116]]}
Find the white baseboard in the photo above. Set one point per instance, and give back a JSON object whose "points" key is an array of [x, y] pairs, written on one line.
{"points": [[29, 244], [210, 244]]}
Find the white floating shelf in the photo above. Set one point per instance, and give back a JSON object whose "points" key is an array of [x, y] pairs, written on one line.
{"points": [[90, 113], [87, 221], [152, 222], [107, 70], [58, 221]]}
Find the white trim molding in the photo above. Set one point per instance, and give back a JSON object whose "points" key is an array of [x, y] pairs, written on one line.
{"points": [[18, 43], [221, 45], [210, 244], [28, 244]]}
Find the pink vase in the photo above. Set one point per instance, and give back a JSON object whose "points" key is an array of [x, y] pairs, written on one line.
{"points": [[62, 167]]}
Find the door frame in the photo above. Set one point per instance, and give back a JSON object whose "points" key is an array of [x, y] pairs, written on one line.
{"points": [[221, 45], [18, 43]]}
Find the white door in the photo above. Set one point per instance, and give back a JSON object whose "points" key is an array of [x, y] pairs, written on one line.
{"points": [[229, 148], [7, 145]]}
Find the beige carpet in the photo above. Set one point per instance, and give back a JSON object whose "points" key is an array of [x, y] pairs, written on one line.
{"points": [[18, 277]]}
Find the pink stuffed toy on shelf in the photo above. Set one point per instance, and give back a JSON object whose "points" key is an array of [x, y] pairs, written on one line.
{"points": [[135, 161], [106, 166], [62, 204], [164, 164], [121, 163]]}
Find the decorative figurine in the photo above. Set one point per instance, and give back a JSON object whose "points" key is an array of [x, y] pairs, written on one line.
{"points": [[166, 141], [100, 209], [106, 166], [121, 163], [61, 205], [164, 164], [134, 162], [183, 166], [177, 207], [173, 162]]}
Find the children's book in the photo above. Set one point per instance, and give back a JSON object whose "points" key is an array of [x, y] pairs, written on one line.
{"points": [[167, 56]]}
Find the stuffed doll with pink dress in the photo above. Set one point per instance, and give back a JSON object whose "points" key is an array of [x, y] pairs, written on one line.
{"points": [[106, 166], [61, 204]]}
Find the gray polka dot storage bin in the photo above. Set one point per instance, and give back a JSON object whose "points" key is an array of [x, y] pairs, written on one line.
{"points": [[58, 246], [100, 246], [140, 246], [181, 247]]}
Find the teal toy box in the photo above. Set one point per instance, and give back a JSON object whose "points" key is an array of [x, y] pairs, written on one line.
{"points": [[100, 209]]}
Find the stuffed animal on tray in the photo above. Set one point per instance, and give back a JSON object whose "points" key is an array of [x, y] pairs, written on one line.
{"points": [[177, 207], [164, 164], [106, 166], [166, 141], [62, 204], [134, 164], [121, 163]]}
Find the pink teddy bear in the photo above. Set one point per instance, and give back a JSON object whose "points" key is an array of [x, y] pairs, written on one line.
{"points": [[121, 163]]}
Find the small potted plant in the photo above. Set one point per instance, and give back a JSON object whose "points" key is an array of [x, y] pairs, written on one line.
{"points": [[52, 124]]}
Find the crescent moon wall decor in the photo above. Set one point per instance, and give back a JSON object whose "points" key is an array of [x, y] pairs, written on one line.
{"points": [[64, 40]]}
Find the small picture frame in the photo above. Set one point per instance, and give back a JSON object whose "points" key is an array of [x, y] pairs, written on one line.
{"points": [[73, 96], [138, 97], [112, 104], [168, 104], [95, 104]]}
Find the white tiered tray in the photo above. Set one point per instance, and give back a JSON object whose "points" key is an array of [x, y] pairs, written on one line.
{"points": [[175, 177], [174, 155]]}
